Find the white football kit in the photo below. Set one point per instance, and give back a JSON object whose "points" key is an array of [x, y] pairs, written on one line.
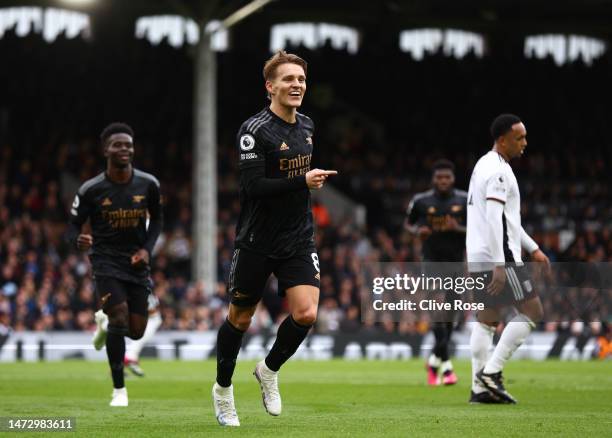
{"points": [[493, 179]]}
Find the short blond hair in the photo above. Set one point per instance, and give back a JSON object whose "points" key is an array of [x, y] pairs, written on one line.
{"points": [[279, 58]]}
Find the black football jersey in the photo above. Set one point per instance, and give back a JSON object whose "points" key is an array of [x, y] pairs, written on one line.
{"points": [[118, 214], [277, 224], [432, 209]]}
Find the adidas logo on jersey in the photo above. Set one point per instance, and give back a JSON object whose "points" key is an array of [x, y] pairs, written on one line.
{"points": [[107, 202], [284, 147]]}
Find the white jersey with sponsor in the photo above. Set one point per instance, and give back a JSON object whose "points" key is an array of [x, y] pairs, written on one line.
{"points": [[492, 178]]}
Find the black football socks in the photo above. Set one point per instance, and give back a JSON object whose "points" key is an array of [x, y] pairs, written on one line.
{"points": [[229, 340], [115, 350], [288, 338], [442, 334]]}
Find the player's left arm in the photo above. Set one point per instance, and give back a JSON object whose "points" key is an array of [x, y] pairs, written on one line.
{"points": [[154, 207]]}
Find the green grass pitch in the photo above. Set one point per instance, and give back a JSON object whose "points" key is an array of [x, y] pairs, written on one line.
{"points": [[335, 398]]}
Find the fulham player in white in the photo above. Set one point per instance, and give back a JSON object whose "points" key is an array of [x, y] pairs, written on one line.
{"points": [[494, 242]]}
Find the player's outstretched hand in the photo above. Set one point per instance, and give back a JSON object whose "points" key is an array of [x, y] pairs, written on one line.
{"points": [[316, 177], [84, 242], [498, 281], [140, 259]]}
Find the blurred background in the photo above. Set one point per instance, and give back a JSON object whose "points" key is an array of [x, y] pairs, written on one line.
{"points": [[392, 86]]}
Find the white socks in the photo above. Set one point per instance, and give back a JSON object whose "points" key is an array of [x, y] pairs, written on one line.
{"points": [[512, 337], [480, 344], [223, 391], [135, 347], [434, 361]]}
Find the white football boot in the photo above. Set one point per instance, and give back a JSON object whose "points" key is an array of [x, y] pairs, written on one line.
{"points": [[99, 337], [223, 401], [120, 397], [268, 381]]}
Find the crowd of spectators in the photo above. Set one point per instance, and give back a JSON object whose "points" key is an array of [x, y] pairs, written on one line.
{"points": [[381, 137]]}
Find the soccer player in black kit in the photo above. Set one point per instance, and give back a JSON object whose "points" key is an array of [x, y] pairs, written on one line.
{"points": [[438, 217], [274, 233], [118, 203]]}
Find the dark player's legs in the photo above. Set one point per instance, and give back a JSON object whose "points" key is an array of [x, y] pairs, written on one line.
{"points": [[126, 306], [298, 279], [247, 279], [112, 295], [118, 315], [137, 326], [439, 367], [446, 330], [450, 325], [442, 329], [303, 302], [442, 335], [138, 310], [115, 340], [439, 359], [229, 340], [240, 317]]}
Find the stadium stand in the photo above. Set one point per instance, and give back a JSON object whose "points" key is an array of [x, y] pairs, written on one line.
{"points": [[382, 154]]}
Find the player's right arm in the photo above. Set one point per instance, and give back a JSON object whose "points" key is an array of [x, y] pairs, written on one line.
{"points": [[413, 219], [496, 195], [79, 213], [253, 171]]}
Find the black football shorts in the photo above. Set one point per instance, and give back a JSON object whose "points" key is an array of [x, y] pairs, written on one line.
{"points": [[119, 291], [250, 271], [517, 288]]}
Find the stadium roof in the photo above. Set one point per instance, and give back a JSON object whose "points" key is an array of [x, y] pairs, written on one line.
{"points": [[374, 17]]}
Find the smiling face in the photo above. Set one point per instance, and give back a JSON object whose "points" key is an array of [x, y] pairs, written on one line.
{"points": [[288, 86], [119, 150]]}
